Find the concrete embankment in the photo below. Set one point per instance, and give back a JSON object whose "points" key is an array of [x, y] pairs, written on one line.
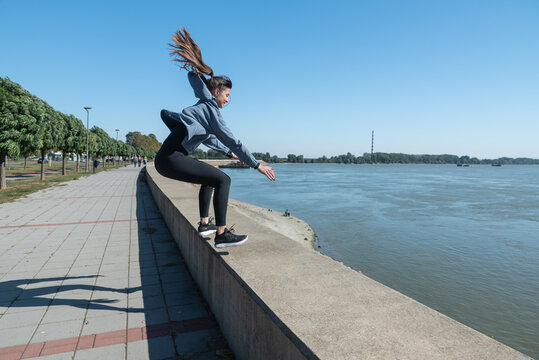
{"points": [[275, 298]]}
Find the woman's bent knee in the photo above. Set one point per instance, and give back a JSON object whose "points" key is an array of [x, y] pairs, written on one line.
{"points": [[224, 180]]}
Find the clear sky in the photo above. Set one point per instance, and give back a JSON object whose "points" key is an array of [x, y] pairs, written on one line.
{"points": [[309, 77]]}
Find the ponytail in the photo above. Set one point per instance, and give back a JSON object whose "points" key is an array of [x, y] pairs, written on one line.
{"points": [[187, 53]]}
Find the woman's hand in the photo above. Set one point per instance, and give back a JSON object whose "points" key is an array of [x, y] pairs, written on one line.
{"points": [[266, 170]]}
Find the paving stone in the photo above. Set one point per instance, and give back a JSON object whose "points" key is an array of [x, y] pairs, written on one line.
{"points": [[212, 355], [149, 279], [85, 269], [155, 349], [199, 341], [16, 335], [10, 295], [105, 352], [27, 318], [152, 302], [57, 330], [98, 310], [156, 316], [29, 304], [63, 313], [136, 319], [4, 306], [41, 291], [103, 324], [119, 284], [183, 298], [62, 356], [135, 283], [151, 290], [183, 285], [38, 284], [22, 277], [191, 311]]}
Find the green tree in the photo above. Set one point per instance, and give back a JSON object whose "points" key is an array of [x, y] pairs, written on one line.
{"points": [[104, 146], [73, 140], [78, 131], [130, 137], [291, 158], [9, 134], [198, 154], [29, 111], [51, 130], [212, 154], [18, 123], [120, 150]]}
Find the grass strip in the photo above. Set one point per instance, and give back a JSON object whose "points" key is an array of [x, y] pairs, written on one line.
{"points": [[32, 166], [20, 188]]}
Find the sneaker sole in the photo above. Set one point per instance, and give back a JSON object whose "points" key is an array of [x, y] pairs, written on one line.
{"points": [[223, 245], [207, 232]]}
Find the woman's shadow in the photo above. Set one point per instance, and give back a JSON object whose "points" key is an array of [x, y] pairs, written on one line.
{"points": [[10, 292]]}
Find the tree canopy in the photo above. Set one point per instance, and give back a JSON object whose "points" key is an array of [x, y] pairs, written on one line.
{"points": [[28, 125]]}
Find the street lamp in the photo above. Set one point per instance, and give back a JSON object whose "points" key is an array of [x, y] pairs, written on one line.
{"points": [[87, 108], [116, 146]]}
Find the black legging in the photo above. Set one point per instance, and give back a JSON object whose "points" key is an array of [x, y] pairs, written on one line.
{"points": [[172, 161]]}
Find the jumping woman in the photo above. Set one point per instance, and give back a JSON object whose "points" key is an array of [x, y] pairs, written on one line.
{"points": [[203, 123]]}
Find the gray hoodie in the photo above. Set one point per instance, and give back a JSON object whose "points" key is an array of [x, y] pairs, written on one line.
{"points": [[205, 125]]}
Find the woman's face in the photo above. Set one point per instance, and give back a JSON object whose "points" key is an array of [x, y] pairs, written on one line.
{"points": [[221, 96]]}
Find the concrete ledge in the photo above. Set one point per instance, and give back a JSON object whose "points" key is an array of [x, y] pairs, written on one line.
{"points": [[275, 299]]}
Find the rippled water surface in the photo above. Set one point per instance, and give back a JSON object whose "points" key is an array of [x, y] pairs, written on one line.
{"points": [[464, 241]]}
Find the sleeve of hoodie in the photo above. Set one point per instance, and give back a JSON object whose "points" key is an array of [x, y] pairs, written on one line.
{"points": [[216, 145], [199, 87], [223, 134]]}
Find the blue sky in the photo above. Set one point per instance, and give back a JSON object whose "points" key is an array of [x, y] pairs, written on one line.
{"points": [[309, 77]]}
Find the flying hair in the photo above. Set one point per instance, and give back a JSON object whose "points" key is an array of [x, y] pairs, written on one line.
{"points": [[187, 53]]}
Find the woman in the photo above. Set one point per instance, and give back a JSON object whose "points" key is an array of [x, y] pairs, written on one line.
{"points": [[202, 123]]}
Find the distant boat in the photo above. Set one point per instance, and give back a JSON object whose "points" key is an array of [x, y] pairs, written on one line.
{"points": [[496, 164], [234, 165], [465, 165]]}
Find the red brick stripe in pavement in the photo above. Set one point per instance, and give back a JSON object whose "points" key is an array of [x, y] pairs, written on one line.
{"points": [[78, 197], [79, 223], [105, 339]]}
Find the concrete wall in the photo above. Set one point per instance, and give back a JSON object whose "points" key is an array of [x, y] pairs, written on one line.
{"points": [[275, 299], [250, 327]]}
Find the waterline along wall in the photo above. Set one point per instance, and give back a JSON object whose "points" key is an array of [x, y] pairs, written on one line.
{"points": [[275, 299]]}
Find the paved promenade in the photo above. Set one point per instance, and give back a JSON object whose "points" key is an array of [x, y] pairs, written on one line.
{"points": [[88, 270]]}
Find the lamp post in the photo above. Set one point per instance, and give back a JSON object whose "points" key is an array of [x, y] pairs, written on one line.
{"points": [[116, 146], [87, 108]]}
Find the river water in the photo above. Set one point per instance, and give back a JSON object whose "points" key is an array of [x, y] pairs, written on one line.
{"points": [[461, 240]]}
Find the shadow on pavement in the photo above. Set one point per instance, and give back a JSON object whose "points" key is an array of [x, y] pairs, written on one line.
{"points": [[32, 297]]}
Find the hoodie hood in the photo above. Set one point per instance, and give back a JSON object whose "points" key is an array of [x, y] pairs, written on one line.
{"points": [[199, 87]]}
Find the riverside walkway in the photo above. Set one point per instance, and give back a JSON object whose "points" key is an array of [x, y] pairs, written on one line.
{"points": [[89, 270]]}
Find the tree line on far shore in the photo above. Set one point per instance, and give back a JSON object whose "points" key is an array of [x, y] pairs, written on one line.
{"points": [[29, 126], [376, 158]]}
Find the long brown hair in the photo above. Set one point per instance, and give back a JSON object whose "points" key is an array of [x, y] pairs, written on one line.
{"points": [[187, 53]]}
